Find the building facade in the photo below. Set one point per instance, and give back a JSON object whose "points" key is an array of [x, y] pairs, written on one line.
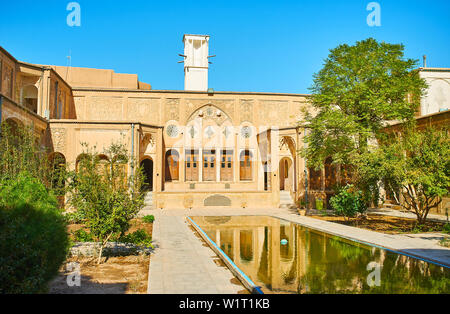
{"points": [[198, 147]]}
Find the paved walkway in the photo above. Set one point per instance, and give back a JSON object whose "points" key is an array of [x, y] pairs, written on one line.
{"points": [[183, 265], [403, 214]]}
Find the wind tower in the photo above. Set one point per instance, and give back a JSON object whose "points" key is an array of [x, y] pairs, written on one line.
{"points": [[196, 62]]}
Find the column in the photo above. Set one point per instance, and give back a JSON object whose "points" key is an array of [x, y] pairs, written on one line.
{"points": [[218, 165]]}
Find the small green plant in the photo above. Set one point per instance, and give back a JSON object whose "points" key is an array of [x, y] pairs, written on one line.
{"points": [[149, 219], [349, 202], [139, 237], [446, 228], [75, 217], [445, 242], [82, 236], [319, 204]]}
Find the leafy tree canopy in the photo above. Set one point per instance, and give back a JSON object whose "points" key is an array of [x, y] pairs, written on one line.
{"points": [[359, 88]]}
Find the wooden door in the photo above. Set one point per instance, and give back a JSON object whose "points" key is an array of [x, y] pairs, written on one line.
{"points": [[172, 166], [226, 166], [209, 165], [246, 166], [192, 165]]}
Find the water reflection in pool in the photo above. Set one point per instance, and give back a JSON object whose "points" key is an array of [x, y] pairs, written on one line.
{"points": [[284, 257]]}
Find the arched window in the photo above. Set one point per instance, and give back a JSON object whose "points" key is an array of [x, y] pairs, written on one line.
{"points": [[58, 167], [172, 166], [30, 98], [246, 166], [103, 166], [58, 176], [147, 171], [330, 174], [315, 179], [82, 162]]}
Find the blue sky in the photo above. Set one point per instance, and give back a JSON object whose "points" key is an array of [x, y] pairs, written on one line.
{"points": [[261, 46]]}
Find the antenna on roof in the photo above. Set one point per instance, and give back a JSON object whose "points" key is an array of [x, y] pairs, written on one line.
{"points": [[424, 61], [69, 63]]}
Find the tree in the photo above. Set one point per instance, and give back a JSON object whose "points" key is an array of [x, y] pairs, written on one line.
{"points": [[106, 197], [21, 152], [33, 235], [358, 90], [414, 166]]}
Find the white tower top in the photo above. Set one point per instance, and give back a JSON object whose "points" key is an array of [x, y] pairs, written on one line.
{"points": [[196, 62]]}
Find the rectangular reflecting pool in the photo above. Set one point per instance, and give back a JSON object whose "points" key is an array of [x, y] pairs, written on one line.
{"points": [[284, 257]]}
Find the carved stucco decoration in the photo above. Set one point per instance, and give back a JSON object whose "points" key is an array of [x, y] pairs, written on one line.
{"points": [[287, 143], [224, 105], [274, 113], [148, 143], [210, 112], [172, 110], [59, 140], [145, 109], [106, 108], [246, 110]]}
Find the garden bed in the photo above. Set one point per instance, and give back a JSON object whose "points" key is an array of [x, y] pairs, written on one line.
{"points": [[116, 275], [385, 224]]}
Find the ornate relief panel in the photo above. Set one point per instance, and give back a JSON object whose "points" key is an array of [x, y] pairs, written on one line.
{"points": [[143, 109], [225, 105], [105, 108], [59, 140], [274, 113], [172, 110], [246, 111]]}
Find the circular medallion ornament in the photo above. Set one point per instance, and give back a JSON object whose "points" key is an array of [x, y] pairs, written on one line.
{"points": [[246, 132], [172, 130]]}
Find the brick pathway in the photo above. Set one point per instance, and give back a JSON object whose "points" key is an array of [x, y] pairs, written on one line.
{"points": [[182, 265]]}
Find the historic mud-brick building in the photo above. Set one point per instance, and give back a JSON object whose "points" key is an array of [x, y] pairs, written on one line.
{"points": [[198, 147]]}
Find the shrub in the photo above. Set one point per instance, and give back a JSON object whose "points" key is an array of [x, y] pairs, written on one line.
{"points": [[139, 237], [75, 217], [348, 202], [82, 236], [446, 228], [149, 219], [33, 237], [105, 194]]}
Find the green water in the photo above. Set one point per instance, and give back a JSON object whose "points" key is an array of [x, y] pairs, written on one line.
{"points": [[284, 257]]}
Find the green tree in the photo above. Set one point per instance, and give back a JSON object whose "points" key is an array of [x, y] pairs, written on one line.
{"points": [[21, 151], [33, 235], [414, 166], [359, 88], [107, 198]]}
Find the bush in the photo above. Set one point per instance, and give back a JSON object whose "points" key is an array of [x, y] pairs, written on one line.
{"points": [[75, 217], [107, 196], [139, 237], [82, 236], [148, 219], [348, 202], [33, 237], [446, 228]]}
